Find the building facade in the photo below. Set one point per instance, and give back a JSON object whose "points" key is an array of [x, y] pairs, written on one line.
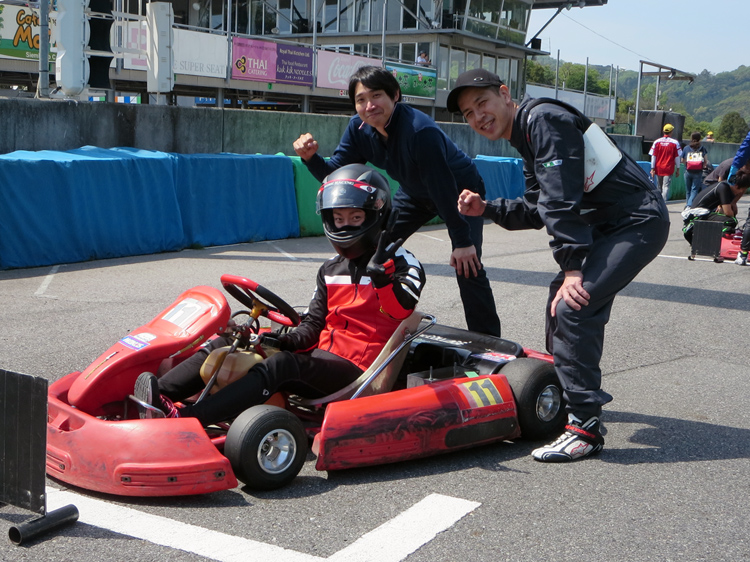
{"points": [[216, 44]]}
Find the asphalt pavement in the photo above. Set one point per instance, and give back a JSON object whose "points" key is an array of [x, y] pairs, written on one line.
{"points": [[670, 484]]}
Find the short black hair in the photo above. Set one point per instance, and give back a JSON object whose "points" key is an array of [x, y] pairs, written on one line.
{"points": [[375, 78], [742, 179]]}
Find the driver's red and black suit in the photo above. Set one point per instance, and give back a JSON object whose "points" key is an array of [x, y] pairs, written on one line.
{"points": [[349, 320]]}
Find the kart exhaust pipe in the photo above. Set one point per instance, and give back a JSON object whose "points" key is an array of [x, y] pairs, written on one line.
{"points": [[54, 519]]}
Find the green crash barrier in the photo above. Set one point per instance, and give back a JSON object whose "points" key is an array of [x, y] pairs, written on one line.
{"points": [[306, 189]]}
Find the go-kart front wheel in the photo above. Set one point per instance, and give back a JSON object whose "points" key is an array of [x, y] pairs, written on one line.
{"points": [[538, 395], [266, 447]]}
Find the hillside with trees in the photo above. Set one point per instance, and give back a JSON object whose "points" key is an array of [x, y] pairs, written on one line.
{"points": [[712, 102]]}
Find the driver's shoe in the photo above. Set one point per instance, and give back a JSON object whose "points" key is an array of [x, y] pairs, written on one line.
{"points": [[149, 401], [581, 439], [741, 258]]}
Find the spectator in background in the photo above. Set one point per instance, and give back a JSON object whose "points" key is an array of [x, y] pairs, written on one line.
{"points": [[716, 204], [423, 59], [721, 173], [709, 137], [665, 160], [695, 157]]}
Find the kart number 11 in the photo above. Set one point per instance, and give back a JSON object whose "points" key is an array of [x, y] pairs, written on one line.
{"points": [[481, 393]]}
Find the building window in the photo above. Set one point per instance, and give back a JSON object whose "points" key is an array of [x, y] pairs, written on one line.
{"points": [[427, 13], [443, 68], [362, 15], [503, 70], [489, 63], [262, 18], [457, 65], [330, 16], [473, 61], [409, 12], [346, 15], [515, 14], [409, 53]]}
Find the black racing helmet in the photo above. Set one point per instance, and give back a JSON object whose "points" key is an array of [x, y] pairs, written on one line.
{"points": [[355, 186]]}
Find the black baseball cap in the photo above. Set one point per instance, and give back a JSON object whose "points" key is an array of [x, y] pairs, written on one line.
{"points": [[477, 78]]}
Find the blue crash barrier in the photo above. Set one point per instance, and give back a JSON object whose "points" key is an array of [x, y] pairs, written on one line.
{"points": [[230, 198], [502, 175], [89, 203], [92, 203]]}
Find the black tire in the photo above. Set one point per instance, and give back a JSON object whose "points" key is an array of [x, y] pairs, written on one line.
{"points": [[538, 395], [266, 447]]}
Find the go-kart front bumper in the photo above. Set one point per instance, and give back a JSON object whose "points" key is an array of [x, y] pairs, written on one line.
{"points": [[131, 457]]}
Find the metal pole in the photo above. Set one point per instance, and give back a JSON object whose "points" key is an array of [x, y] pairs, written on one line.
{"points": [[314, 44], [43, 83], [585, 85], [382, 39], [557, 73], [638, 96], [617, 83], [229, 49], [656, 96], [609, 93]]}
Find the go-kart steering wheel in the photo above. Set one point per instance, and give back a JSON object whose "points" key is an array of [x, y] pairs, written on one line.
{"points": [[248, 293]]}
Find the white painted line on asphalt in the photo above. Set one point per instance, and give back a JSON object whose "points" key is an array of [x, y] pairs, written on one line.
{"points": [[391, 542], [430, 237], [170, 533], [47, 280], [684, 258], [396, 539], [282, 252]]}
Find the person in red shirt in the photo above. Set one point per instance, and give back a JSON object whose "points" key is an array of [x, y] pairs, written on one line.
{"points": [[665, 160]]}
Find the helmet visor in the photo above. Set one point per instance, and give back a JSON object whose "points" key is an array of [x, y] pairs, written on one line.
{"points": [[352, 194]]}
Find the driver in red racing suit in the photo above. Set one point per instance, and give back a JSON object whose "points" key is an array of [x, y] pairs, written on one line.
{"points": [[362, 295]]}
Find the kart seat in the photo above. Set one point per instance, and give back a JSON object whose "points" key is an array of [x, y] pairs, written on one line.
{"points": [[385, 368]]}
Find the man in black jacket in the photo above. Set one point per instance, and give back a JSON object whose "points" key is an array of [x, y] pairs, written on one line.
{"points": [[431, 171], [602, 236]]}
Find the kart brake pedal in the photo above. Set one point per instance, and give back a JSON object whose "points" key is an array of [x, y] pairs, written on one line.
{"points": [[157, 412]]}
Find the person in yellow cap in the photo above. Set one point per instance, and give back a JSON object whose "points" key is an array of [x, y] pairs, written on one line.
{"points": [[665, 160], [709, 137]]}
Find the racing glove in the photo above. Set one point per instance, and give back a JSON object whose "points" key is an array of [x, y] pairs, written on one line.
{"points": [[732, 177], [381, 267], [279, 340]]}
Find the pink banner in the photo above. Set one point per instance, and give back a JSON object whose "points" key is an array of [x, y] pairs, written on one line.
{"points": [[253, 60], [335, 69]]}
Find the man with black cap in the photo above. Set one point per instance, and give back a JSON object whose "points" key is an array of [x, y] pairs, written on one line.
{"points": [[665, 160], [604, 232]]}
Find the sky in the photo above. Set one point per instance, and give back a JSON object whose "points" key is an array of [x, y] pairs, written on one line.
{"points": [[624, 32]]}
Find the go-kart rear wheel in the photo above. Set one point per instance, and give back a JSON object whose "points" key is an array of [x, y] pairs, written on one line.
{"points": [[266, 447], [538, 395]]}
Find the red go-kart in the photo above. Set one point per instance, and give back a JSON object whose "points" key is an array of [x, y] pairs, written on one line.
{"points": [[433, 389]]}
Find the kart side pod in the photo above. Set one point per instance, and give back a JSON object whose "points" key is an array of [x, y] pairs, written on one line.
{"points": [[416, 422]]}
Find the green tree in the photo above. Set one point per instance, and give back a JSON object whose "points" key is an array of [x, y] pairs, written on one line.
{"points": [[537, 73], [733, 128]]}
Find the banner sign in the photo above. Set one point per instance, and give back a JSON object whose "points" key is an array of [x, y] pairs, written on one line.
{"points": [[262, 61], [19, 32], [415, 81], [335, 69]]}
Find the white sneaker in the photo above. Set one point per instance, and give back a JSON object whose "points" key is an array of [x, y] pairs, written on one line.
{"points": [[581, 439], [741, 259]]}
